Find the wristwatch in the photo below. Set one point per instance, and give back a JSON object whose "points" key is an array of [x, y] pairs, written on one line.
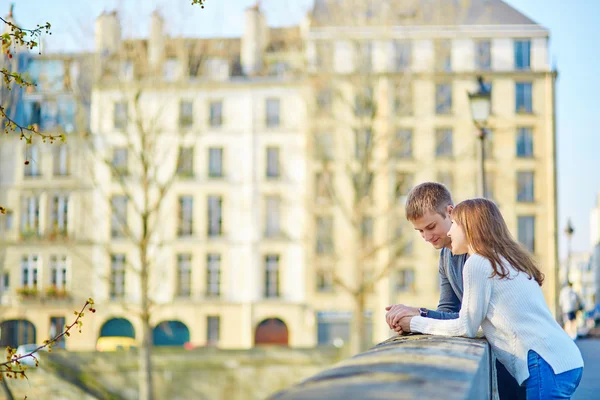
{"points": [[423, 312]]}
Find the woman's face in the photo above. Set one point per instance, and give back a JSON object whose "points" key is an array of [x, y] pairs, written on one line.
{"points": [[460, 245]]}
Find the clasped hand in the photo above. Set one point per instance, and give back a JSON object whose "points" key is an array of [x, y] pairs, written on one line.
{"points": [[398, 317]]}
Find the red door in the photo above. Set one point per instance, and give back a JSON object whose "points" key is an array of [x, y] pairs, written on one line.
{"points": [[271, 331]]}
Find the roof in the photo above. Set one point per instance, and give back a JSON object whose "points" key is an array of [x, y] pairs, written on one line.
{"points": [[416, 12]]}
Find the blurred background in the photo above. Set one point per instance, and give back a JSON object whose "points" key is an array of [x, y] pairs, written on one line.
{"points": [[228, 182]]}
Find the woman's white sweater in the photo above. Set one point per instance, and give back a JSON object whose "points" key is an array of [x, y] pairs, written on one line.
{"points": [[513, 316]]}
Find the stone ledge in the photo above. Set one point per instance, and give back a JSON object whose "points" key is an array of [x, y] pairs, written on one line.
{"points": [[405, 367]]}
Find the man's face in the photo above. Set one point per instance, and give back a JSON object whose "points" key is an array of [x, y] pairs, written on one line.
{"points": [[434, 228]]}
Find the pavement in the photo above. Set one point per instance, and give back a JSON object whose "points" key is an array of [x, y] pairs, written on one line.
{"points": [[589, 388]]}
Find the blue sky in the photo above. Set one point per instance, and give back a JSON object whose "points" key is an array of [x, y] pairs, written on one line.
{"points": [[573, 27]]}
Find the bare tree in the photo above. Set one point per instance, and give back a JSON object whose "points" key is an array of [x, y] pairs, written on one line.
{"points": [[142, 144], [358, 143]]}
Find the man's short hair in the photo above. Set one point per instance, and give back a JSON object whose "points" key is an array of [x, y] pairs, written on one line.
{"points": [[428, 196]]}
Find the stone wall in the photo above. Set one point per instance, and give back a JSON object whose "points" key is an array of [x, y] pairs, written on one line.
{"points": [[405, 367]]}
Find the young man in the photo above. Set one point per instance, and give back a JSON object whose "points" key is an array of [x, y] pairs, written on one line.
{"points": [[428, 208], [570, 304]]}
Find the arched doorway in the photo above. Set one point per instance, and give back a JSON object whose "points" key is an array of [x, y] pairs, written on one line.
{"points": [[271, 331], [16, 332], [170, 333], [117, 327]]}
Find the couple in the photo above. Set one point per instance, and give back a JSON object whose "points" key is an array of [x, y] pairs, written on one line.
{"points": [[499, 286]]}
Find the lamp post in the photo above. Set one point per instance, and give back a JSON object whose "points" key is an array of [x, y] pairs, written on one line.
{"points": [[481, 104], [569, 231]]}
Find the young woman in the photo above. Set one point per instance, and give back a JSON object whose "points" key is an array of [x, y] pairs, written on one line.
{"points": [[503, 295]]}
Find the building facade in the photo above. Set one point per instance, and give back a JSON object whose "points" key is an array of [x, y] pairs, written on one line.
{"points": [[260, 143]]}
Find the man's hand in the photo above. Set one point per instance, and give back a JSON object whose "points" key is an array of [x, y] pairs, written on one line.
{"points": [[398, 311]]}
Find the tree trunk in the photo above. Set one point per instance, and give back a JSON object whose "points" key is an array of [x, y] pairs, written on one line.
{"points": [[6, 389], [145, 382], [145, 362], [358, 333]]}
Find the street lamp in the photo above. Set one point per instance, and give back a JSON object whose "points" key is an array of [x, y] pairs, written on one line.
{"points": [[481, 104]]}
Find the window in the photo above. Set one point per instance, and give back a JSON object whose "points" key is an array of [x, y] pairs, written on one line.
{"points": [[30, 216], [522, 54], [324, 148], [405, 280], [216, 113], [364, 102], [483, 55], [325, 243], [184, 275], [119, 163], [324, 280], [403, 97], [61, 160], [524, 142], [57, 324], [273, 162], [118, 219], [215, 227], [117, 275], [5, 282], [29, 271], [402, 55], [404, 182], [185, 216], [60, 215], [213, 275], [333, 327], [32, 113], [171, 69], [403, 236], [443, 55], [443, 98], [443, 142], [8, 220], [325, 53], [215, 162], [273, 215], [403, 144], [362, 144], [213, 328], [58, 272], [34, 160], [523, 99], [65, 117], [446, 178], [185, 162], [526, 231], [120, 115], [271, 275], [272, 117], [364, 57], [49, 115], [126, 70], [525, 186], [323, 188], [324, 99], [366, 228], [186, 114]]}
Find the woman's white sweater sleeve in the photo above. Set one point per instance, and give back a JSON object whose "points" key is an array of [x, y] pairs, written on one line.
{"points": [[475, 302]]}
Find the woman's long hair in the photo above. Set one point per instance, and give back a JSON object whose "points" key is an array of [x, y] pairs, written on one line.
{"points": [[488, 236]]}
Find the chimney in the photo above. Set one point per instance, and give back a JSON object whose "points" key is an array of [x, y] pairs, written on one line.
{"points": [[156, 41], [254, 40], [108, 33]]}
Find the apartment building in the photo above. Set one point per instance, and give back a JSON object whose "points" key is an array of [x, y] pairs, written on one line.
{"points": [[260, 142]]}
